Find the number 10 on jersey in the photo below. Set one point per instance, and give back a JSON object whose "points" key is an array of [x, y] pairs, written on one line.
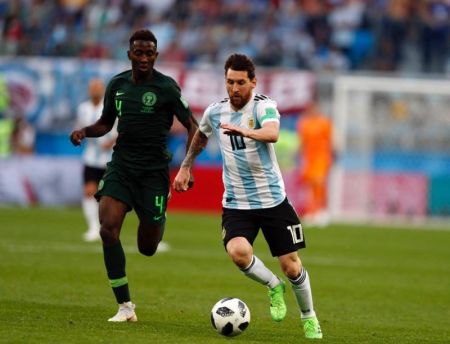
{"points": [[237, 142]]}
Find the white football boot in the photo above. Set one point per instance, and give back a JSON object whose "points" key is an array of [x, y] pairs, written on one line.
{"points": [[91, 235], [125, 313]]}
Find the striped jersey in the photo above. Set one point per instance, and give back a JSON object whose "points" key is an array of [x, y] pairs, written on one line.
{"points": [[251, 175], [93, 153]]}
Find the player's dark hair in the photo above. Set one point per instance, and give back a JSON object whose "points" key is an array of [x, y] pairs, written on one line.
{"points": [[240, 62], [143, 35]]}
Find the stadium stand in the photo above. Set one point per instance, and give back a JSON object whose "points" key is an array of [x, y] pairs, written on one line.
{"points": [[319, 35]]}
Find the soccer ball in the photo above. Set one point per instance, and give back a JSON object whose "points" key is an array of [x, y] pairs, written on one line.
{"points": [[230, 316]]}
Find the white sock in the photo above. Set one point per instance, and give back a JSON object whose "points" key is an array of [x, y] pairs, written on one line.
{"points": [[303, 294], [258, 272], [90, 210]]}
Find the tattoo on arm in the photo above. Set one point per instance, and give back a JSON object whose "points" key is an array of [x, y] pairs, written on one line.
{"points": [[191, 125], [199, 142]]}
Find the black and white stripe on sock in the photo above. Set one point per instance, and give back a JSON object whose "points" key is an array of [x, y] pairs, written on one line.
{"points": [[250, 265], [300, 278]]}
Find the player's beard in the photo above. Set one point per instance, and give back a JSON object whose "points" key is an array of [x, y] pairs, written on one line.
{"points": [[239, 101]]}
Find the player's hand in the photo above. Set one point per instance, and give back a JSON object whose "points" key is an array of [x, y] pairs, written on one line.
{"points": [[191, 182], [183, 180], [231, 129], [77, 136]]}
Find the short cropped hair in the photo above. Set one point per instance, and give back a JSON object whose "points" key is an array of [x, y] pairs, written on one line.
{"points": [[240, 62], [143, 35]]}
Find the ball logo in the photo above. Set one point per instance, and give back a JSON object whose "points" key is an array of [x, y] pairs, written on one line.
{"points": [[149, 99]]}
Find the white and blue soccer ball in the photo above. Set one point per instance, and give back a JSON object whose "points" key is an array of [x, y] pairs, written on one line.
{"points": [[230, 316]]}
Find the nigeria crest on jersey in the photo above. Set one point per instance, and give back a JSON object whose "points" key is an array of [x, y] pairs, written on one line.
{"points": [[148, 99]]}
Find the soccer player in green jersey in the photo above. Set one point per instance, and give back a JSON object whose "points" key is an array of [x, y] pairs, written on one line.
{"points": [[145, 102]]}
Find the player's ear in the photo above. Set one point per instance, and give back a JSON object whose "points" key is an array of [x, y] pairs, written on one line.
{"points": [[128, 54], [253, 81]]}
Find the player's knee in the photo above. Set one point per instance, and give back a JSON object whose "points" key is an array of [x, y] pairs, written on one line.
{"points": [[109, 234], [291, 271], [291, 266], [147, 250], [149, 237], [240, 251]]}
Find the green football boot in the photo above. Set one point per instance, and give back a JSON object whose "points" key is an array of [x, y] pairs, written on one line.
{"points": [[277, 304], [311, 327]]}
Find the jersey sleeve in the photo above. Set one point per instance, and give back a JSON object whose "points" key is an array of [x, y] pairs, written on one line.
{"points": [[267, 111], [180, 105], [80, 122], [108, 102], [205, 123]]}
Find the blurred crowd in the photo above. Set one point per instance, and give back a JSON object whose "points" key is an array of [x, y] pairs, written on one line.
{"points": [[320, 35]]}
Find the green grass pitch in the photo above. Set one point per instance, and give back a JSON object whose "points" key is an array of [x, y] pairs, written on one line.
{"points": [[370, 284]]}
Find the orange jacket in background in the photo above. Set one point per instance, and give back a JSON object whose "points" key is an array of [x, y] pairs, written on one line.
{"points": [[315, 131]]}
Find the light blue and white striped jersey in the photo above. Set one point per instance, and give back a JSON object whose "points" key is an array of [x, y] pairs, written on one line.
{"points": [[251, 175], [94, 155]]}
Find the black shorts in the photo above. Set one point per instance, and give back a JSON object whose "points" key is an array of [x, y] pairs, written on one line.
{"points": [[144, 191], [280, 225], [92, 174]]}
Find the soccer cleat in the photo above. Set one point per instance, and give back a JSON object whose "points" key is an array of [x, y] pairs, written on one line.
{"points": [[91, 236], [277, 304], [125, 313], [311, 327]]}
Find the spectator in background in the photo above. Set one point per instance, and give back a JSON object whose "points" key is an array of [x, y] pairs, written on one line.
{"points": [[315, 133], [434, 35], [23, 137], [97, 152], [12, 34], [389, 52], [344, 20]]}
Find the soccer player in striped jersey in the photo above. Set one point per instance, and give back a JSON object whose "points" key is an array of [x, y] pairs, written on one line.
{"points": [[96, 154], [247, 125]]}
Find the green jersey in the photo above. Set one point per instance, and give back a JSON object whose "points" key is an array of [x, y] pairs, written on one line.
{"points": [[145, 115]]}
